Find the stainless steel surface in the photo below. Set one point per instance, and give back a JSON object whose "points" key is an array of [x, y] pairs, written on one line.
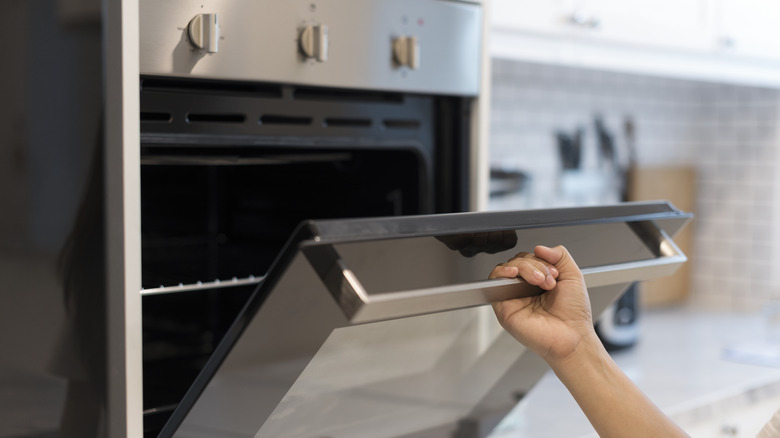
{"points": [[362, 306], [300, 363], [259, 40]]}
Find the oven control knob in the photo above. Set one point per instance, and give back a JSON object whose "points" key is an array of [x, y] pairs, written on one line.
{"points": [[406, 52], [314, 42], [204, 32]]}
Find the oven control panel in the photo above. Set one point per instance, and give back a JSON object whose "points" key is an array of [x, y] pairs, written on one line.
{"points": [[430, 46]]}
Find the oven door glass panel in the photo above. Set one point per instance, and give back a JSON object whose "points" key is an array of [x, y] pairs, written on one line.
{"points": [[379, 327]]}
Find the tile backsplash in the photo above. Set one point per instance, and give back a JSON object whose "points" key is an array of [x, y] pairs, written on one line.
{"points": [[728, 133]]}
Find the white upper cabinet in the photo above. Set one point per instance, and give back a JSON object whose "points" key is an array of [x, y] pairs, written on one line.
{"points": [[735, 41], [529, 15], [749, 28], [669, 23]]}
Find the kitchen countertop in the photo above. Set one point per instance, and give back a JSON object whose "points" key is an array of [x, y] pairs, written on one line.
{"points": [[681, 363]]}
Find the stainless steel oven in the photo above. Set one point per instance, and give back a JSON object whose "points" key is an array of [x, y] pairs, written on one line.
{"points": [[257, 115], [306, 266]]}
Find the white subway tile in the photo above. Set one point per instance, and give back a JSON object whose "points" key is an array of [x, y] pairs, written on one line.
{"points": [[728, 132]]}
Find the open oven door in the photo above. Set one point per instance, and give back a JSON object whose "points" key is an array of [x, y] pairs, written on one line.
{"points": [[381, 328]]}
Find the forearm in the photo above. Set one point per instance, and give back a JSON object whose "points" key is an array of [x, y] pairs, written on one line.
{"points": [[615, 406]]}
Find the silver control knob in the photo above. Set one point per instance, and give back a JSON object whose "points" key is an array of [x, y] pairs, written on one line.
{"points": [[314, 42], [406, 52], [204, 32]]}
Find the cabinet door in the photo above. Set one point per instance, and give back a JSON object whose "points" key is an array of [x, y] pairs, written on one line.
{"points": [[666, 23], [546, 17], [750, 28], [681, 24]]}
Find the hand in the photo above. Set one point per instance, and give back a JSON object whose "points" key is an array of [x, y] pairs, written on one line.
{"points": [[556, 322], [558, 326]]}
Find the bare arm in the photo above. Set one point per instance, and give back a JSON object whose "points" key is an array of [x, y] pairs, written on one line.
{"points": [[558, 326]]}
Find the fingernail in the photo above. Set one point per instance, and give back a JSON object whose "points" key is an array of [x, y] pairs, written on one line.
{"points": [[553, 271], [539, 275]]}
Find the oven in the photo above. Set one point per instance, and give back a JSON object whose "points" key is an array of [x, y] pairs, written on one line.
{"points": [[257, 115], [308, 264]]}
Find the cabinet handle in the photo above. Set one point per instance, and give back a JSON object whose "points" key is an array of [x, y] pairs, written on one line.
{"points": [[582, 20], [727, 42]]}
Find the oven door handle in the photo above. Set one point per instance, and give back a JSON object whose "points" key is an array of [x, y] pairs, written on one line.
{"points": [[360, 306]]}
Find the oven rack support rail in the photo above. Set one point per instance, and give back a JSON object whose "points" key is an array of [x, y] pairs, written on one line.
{"points": [[203, 285]]}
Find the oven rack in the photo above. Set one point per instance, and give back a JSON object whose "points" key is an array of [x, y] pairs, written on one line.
{"points": [[202, 285]]}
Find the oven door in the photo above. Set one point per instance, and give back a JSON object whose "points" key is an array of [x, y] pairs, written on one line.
{"points": [[381, 328]]}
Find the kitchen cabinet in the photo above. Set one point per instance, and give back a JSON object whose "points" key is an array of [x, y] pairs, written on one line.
{"points": [[528, 15], [680, 24], [727, 41], [670, 23], [748, 29]]}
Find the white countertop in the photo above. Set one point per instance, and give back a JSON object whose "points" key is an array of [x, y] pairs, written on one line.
{"points": [[680, 362]]}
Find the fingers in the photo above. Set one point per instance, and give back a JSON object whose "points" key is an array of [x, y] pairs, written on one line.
{"points": [[550, 255], [539, 264], [502, 271], [530, 268], [560, 257]]}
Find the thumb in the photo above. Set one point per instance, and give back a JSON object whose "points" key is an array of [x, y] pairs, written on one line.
{"points": [[560, 258]]}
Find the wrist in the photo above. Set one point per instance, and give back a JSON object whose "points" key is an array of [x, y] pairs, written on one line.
{"points": [[588, 351]]}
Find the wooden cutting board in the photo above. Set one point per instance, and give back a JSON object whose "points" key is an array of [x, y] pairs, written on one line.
{"points": [[676, 184]]}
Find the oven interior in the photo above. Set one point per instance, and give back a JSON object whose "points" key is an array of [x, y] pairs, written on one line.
{"points": [[230, 169]]}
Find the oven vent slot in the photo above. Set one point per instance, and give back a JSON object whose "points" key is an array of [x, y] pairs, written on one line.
{"points": [[401, 124], [215, 118], [273, 119], [156, 117], [337, 122], [211, 87], [320, 94]]}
